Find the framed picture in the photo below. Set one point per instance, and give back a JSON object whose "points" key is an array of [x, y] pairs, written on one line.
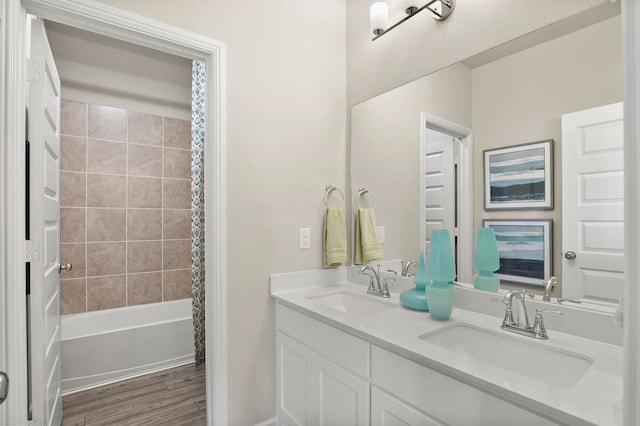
{"points": [[524, 247], [519, 176]]}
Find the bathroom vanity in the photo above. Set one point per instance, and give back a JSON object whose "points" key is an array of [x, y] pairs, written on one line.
{"points": [[346, 357]]}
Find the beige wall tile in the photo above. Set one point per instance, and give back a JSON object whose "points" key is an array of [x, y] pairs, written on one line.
{"points": [[73, 118], [176, 224], [72, 189], [106, 224], [74, 254], [144, 192], [73, 153], [177, 163], [177, 133], [144, 128], [177, 284], [144, 256], [73, 296], [107, 123], [72, 224], [144, 224], [106, 292], [176, 193], [144, 288], [145, 161], [176, 254], [105, 259], [105, 190], [106, 157]]}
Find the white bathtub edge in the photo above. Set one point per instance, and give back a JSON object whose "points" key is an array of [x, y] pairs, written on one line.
{"points": [[78, 384]]}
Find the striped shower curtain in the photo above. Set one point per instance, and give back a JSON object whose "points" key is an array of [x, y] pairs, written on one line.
{"points": [[197, 207]]}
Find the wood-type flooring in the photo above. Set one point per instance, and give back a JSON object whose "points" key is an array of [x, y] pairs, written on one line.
{"points": [[170, 397]]}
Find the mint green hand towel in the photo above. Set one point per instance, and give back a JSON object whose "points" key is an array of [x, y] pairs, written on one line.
{"points": [[367, 244], [334, 252]]}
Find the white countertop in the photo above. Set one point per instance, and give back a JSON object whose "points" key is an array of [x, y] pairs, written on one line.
{"points": [[595, 399]]}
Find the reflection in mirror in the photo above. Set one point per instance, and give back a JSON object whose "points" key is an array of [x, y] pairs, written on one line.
{"points": [[513, 99]]}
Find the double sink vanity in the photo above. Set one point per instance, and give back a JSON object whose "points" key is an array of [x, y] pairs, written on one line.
{"points": [[348, 357]]}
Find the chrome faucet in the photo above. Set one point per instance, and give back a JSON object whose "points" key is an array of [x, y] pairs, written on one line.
{"points": [[406, 265], [375, 287], [521, 326], [548, 286]]}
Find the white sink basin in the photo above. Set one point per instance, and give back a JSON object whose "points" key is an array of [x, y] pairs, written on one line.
{"points": [[543, 363], [351, 303]]}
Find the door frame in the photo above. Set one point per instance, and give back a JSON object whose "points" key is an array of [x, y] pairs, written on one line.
{"points": [[631, 349], [465, 187], [116, 23]]}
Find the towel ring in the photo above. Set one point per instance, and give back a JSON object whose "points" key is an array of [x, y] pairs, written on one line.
{"points": [[329, 190], [361, 193]]}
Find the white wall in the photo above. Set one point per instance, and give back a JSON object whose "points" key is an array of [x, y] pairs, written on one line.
{"points": [[286, 121], [385, 150], [521, 98], [104, 71], [422, 45]]}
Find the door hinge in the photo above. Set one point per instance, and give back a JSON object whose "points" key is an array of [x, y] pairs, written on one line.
{"points": [[33, 71], [32, 250]]}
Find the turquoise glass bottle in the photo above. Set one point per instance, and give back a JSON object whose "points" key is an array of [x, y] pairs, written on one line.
{"points": [[416, 298], [486, 260], [440, 274]]}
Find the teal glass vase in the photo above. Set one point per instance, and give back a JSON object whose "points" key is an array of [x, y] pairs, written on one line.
{"points": [[486, 260], [440, 274], [416, 298]]}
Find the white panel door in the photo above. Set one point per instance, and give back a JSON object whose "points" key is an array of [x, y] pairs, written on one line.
{"points": [[439, 186], [44, 221], [593, 203]]}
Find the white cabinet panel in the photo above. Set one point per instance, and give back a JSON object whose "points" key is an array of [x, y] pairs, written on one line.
{"points": [[344, 349], [295, 399], [389, 411], [341, 398]]}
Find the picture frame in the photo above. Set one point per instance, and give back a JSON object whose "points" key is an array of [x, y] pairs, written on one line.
{"points": [[524, 249], [519, 176]]}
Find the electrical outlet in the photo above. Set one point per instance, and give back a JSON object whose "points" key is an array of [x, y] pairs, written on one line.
{"points": [[381, 234], [305, 238]]}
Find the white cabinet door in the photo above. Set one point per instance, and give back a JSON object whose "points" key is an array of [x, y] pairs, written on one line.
{"points": [[294, 381], [389, 411], [341, 398]]}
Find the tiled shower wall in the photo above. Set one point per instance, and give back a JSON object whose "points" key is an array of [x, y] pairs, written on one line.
{"points": [[125, 207]]}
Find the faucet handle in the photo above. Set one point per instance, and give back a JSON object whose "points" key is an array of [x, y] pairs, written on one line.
{"points": [[538, 328], [385, 287]]}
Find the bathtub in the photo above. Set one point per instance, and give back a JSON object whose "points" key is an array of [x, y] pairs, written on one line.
{"points": [[106, 346]]}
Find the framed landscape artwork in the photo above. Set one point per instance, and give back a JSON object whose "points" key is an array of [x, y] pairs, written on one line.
{"points": [[519, 176], [524, 248]]}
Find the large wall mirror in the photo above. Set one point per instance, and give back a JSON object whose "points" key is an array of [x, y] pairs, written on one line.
{"points": [[512, 95]]}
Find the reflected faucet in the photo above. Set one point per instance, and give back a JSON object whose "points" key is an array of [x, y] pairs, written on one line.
{"points": [[548, 286], [406, 265], [375, 287]]}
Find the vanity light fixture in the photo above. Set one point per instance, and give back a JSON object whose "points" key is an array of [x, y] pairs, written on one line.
{"points": [[379, 13]]}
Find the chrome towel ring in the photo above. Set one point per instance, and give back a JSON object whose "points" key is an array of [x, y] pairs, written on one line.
{"points": [[361, 193], [329, 190]]}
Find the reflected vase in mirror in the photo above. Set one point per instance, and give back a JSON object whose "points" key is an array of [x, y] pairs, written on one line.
{"points": [[416, 298], [486, 260], [440, 275]]}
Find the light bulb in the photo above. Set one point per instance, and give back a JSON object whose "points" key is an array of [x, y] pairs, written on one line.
{"points": [[379, 17]]}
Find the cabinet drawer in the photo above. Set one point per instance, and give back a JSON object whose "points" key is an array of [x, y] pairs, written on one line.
{"points": [[446, 399], [344, 349]]}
